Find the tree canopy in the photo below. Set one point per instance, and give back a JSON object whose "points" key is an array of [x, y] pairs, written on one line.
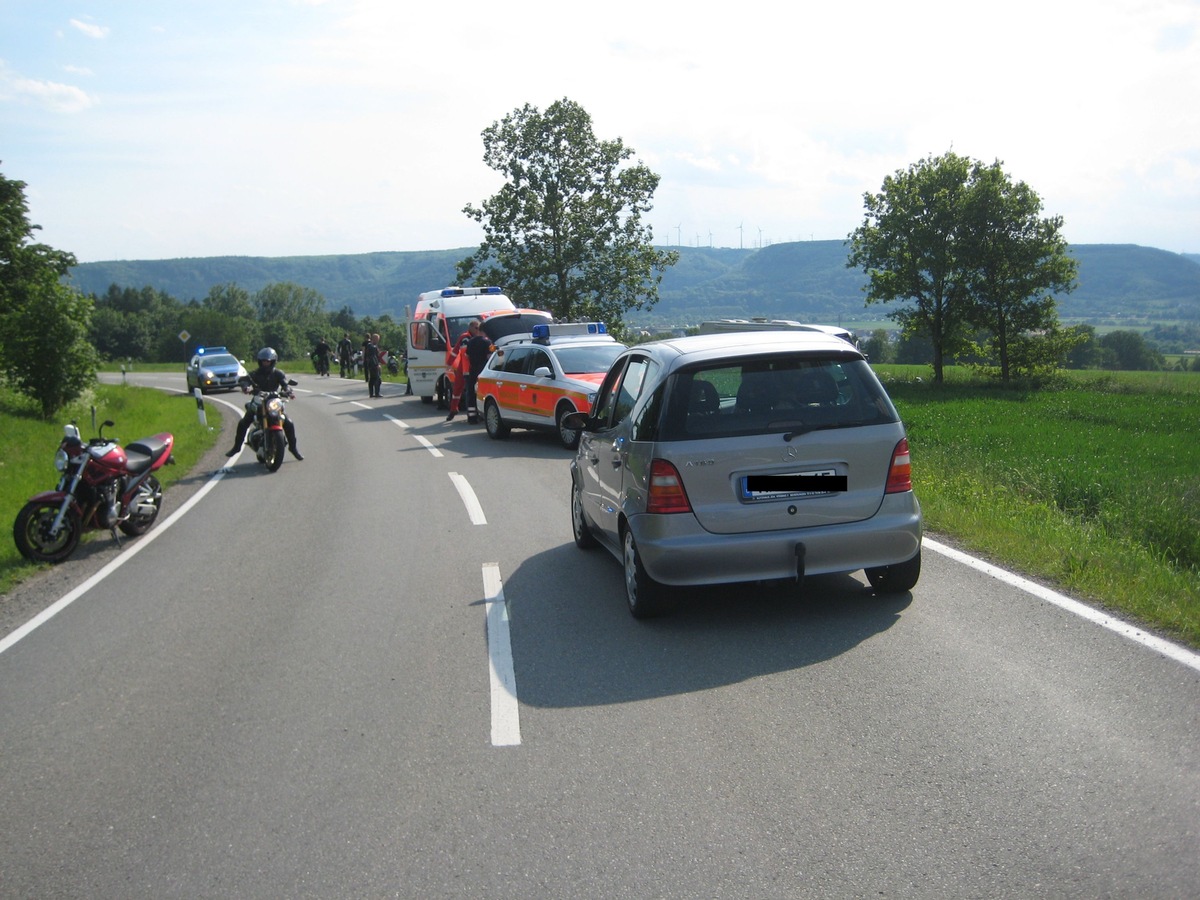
{"points": [[44, 348], [967, 251], [565, 232]]}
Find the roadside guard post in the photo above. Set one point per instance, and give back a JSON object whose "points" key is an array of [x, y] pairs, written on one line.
{"points": [[200, 407]]}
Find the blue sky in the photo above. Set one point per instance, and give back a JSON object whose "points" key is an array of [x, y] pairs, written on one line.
{"points": [[155, 130]]}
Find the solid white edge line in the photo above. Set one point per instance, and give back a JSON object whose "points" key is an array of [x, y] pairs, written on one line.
{"points": [[125, 555], [470, 501], [1099, 617], [506, 713]]}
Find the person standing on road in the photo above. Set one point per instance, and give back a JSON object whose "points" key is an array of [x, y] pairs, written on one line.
{"points": [[371, 365], [478, 349], [456, 374], [345, 349]]}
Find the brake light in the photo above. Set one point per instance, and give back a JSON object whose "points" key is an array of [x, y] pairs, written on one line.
{"points": [[900, 474], [666, 494]]}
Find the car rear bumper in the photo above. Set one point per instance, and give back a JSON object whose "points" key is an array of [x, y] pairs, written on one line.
{"points": [[675, 550]]}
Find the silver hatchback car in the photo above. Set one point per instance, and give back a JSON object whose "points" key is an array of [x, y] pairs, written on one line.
{"points": [[744, 457]]}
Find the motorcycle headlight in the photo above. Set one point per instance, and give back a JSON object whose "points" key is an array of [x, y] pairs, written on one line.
{"points": [[275, 406], [61, 460]]}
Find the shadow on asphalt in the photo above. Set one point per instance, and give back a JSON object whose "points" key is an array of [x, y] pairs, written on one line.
{"points": [[568, 614]]}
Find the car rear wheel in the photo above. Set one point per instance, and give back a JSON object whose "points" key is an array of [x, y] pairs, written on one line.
{"points": [[896, 579], [644, 595], [584, 539], [493, 421]]}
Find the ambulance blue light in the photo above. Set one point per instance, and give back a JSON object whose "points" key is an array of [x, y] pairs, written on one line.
{"points": [[490, 290]]}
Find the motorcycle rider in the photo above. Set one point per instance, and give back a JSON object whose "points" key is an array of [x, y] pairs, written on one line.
{"points": [[265, 378]]}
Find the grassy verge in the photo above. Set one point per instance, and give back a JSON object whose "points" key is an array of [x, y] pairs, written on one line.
{"points": [[28, 444], [1091, 482]]}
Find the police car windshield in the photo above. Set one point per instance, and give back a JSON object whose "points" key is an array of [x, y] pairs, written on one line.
{"points": [[582, 360], [219, 359]]}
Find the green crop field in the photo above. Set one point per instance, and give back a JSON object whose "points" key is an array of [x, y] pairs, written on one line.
{"points": [[1091, 482]]}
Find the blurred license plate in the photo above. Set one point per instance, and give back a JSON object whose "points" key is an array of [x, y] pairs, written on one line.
{"points": [[795, 484]]}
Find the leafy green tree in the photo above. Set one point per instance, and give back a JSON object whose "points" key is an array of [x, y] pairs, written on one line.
{"points": [[1129, 352], [565, 232], [911, 245], [1017, 260], [44, 347], [1084, 350], [878, 347], [47, 355], [230, 300]]}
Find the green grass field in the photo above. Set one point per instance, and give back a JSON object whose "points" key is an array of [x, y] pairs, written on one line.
{"points": [[1091, 482], [28, 445]]}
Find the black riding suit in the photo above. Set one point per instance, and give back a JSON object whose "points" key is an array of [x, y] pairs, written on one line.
{"points": [[265, 380]]}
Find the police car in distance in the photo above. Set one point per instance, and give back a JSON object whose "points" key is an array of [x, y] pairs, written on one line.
{"points": [[533, 381], [214, 369]]}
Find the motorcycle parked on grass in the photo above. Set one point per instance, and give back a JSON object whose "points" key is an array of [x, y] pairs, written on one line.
{"points": [[266, 436], [101, 485]]}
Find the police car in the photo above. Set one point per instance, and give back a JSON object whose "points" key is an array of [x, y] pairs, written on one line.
{"points": [[214, 369], [535, 380]]}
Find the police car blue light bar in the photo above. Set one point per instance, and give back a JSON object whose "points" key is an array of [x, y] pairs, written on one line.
{"points": [[544, 332], [200, 351]]}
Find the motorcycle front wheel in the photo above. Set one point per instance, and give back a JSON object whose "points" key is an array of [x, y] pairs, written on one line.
{"points": [[32, 532], [274, 455], [149, 495]]}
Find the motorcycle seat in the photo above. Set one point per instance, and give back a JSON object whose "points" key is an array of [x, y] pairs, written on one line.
{"points": [[142, 454]]}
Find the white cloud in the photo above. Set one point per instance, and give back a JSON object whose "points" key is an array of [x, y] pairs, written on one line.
{"points": [[63, 98], [99, 32]]}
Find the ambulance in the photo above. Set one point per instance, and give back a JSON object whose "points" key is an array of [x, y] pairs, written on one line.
{"points": [[441, 317]]}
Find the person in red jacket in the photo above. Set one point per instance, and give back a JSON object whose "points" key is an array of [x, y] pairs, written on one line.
{"points": [[456, 372]]}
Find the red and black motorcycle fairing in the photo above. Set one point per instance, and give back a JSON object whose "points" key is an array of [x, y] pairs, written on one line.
{"points": [[102, 485]]}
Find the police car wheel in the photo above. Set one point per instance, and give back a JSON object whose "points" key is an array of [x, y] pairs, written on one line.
{"points": [[493, 421], [568, 436]]}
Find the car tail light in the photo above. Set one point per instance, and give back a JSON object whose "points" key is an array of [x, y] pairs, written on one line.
{"points": [[666, 494], [900, 474]]}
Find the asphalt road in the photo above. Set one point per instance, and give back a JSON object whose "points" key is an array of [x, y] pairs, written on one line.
{"points": [[388, 671]]}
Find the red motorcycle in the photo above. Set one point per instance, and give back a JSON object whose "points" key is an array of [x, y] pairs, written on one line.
{"points": [[102, 485]]}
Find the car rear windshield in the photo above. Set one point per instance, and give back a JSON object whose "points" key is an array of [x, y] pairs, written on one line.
{"points": [[789, 395]]}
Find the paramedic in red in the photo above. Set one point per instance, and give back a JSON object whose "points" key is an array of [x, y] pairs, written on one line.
{"points": [[456, 373]]}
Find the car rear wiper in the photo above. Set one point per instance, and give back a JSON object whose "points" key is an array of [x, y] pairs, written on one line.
{"points": [[801, 429]]}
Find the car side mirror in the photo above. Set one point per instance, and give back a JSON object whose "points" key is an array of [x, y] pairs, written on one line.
{"points": [[577, 421], [543, 372]]}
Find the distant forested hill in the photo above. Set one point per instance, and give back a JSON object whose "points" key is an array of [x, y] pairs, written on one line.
{"points": [[1118, 283]]}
